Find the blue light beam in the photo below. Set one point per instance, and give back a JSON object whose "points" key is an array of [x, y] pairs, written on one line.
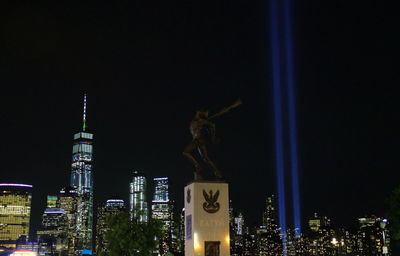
{"points": [[277, 102], [294, 169]]}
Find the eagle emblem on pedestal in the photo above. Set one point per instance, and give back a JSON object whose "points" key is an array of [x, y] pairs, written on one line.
{"points": [[211, 205]]}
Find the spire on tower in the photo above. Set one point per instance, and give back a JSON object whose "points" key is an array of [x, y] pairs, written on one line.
{"points": [[84, 113]]}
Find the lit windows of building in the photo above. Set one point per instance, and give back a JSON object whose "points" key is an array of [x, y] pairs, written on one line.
{"points": [[373, 236], [269, 215], [52, 201], [54, 218], [319, 223], [82, 183], [68, 200], [15, 212], [137, 197], [53, 235], [161, 193], [239, 224], [162, 209], [111, 207], [160, 203]]}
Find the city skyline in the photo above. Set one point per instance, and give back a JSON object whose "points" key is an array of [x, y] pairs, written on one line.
{"points": [[346, 105]]}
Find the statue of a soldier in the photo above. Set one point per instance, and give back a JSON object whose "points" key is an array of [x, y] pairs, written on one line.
{"points": [[203, 132]]}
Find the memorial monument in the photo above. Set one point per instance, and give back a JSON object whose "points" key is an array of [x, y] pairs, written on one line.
{"points": [[206, 201]]}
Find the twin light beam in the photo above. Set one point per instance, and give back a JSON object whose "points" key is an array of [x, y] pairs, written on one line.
{"points": [[284, 112]]}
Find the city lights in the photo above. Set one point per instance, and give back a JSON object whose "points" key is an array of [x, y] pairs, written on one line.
{"points": [[123, 135], [24, 253], [15, 185]]}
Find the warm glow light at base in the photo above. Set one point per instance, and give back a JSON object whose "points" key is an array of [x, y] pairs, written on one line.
{"points": [[227, 239], [196, 242]]}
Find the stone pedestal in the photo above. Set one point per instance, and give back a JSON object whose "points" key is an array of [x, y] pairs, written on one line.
{"points": [[207, 219]]}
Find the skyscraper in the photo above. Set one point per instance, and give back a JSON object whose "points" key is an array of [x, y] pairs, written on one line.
{"points": [[111, 207], [239, 224], [162, 208], [15, 212], [82, 182], [68, 200], [137, 196], [53, 236], [270, 240], [269, 215]]}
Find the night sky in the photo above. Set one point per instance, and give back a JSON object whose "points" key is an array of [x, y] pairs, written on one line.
{"points": [[147, 66]]}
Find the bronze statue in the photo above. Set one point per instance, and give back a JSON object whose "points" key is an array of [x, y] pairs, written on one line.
{"points": [[203, 131]]}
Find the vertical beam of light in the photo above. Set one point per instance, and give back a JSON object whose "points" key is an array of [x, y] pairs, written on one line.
{"points": [[277, 101], [292, 117]]}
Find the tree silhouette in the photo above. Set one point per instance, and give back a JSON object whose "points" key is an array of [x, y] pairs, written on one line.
{"points": [[130, 237], [394, 214]]}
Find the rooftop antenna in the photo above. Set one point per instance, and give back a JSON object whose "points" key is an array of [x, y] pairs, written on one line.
{"points": [[84, 113]]}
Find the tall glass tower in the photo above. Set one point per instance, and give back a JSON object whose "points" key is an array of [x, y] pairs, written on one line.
{"points": [[82, 183], [162, 209], [137, 196], [161, 205]]}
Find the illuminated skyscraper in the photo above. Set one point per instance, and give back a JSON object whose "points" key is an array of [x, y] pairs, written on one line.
{"points": [[82, 182], [269, 215], [53, 236], [162, 208], [15, 212], [53, 216], [111, 207], [269, 236], [137, 196], [68, 200]]}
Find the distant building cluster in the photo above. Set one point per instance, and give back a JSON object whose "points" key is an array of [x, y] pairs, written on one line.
{"points": [[369, 237], [70, 225]]}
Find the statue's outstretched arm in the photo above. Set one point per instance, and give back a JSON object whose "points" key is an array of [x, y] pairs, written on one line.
{"points": [[237, 103]]}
